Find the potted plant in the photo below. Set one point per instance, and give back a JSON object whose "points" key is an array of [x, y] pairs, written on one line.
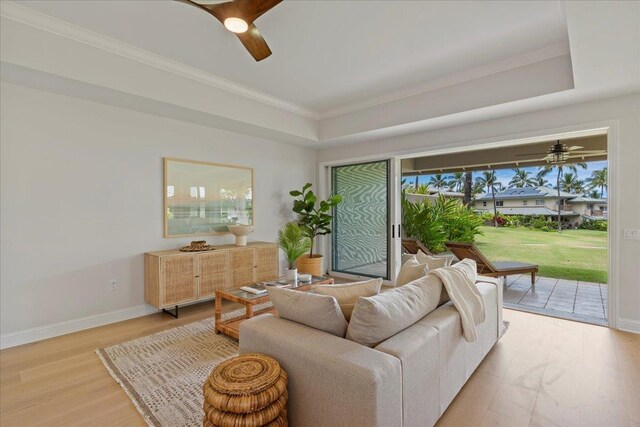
{"points": [[294, 244], [314, 220]]}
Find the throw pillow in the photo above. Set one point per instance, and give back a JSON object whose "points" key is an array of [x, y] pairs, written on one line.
{"points": [[433, 262], [376, 318], [348, 293], [410, 271], [468, 267], [320, 312]]}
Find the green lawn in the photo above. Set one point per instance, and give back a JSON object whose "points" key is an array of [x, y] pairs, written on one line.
{"points": [[572, 254]]}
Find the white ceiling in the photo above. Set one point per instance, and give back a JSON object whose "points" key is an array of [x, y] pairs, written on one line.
{"points": [[330, 55]]}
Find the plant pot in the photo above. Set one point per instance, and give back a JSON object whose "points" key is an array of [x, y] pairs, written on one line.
{"points": [[292, 274], [311, 265]]}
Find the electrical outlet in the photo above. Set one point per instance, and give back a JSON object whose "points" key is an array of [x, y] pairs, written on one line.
{"points": [[630, 234], [113, 284]]}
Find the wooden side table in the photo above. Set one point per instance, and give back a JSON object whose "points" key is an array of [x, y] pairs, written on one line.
{"points": [[231, 327]]}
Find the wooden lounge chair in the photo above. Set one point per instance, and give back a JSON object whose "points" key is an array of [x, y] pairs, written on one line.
{"points": [[412, 246], [488, 268]]}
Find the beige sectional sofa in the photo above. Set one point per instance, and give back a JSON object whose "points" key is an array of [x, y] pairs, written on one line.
{"points": [[407, 380]]}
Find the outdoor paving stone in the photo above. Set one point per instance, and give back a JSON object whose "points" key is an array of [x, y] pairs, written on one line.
{"points": [[560, 308], [588, 283], [531, 303], [559, 297], [519, 285], [537, 297], [590, 306], [590, 313], [566, 298]]}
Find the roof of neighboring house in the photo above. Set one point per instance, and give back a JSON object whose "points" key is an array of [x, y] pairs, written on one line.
{"points": [[531, 210], [581, 199], [435, 193], [528, 193], [447, 193], [594, 218]]}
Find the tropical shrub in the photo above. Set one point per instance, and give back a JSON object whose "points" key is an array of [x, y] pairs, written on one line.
{"points": [[540, 222], [435, 224], [589, 224]]}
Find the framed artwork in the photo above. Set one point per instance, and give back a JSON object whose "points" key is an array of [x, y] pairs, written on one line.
{"points": [[203, 198]]}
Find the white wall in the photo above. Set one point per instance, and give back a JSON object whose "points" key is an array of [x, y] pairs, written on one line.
{"points": [[81, 201], [623, 112]]}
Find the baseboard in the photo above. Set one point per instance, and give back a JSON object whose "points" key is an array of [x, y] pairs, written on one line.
{"points": [[43, 332], [629, 325]]}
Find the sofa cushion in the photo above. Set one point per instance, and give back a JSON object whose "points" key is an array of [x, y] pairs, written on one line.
{"points": [[410, 271], [317, 311], [348, 293], [374, 319]]}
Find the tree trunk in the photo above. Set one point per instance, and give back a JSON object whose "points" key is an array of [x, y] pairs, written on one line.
{"points": [[468, 188], [559, 200], [495, 208]]}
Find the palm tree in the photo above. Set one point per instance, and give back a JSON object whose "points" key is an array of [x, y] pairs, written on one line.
{"points": [[522, 178], [457, 181], [560, 168], [438, 181], [598, 180], [540, 180], [594, 194], [468, 189], [571, 184], [488, 179]]}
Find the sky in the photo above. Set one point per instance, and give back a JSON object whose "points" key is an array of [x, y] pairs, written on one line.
{"points": [[505, 175]]}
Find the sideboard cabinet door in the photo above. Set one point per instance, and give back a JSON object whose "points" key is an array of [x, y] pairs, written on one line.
{"points": [[178, 277], [242, 265], [266, 258], [213, 272]]}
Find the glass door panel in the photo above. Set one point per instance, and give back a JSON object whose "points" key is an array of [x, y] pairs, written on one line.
{"points": [[360, 233]]}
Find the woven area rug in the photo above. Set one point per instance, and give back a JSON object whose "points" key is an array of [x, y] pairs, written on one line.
{"points": [[163, 373]]}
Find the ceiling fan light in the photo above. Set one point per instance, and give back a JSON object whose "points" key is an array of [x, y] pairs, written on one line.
{"points": [[236, 25]]}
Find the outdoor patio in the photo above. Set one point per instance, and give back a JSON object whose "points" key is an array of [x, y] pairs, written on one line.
{"points": [[569, 299]]}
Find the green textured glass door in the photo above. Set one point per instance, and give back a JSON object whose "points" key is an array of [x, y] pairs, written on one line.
{"points": [[360, 233]]}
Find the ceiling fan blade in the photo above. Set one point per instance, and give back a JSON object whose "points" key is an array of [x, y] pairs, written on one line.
{"points": [[220, 11], [253, 9], [589, 152], [530, 154], [254, 43]]}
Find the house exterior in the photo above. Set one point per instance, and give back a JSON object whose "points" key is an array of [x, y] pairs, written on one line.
{"points": [[544, 201], [433, 195]]}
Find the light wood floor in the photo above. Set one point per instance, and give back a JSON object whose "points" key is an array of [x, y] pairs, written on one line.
{"points": [[544, 371]]}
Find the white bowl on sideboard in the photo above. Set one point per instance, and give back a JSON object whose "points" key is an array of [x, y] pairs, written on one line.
{"points": [[240, 231]]}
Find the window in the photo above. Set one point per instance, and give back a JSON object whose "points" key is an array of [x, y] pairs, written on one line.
{"points": [[500, 203], [484, 203], [539, 202], [525, 202]]}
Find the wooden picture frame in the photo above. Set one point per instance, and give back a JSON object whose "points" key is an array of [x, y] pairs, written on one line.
{"points": [[202, 198]]}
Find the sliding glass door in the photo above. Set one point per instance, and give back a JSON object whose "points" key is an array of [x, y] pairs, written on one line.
{"points": [[360, 241]]}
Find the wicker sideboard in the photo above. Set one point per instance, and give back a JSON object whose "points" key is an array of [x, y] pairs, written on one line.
{"points": [[172, 277]]}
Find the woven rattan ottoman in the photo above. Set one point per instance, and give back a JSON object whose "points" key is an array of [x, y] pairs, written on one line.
{"points": [[246, 391]]}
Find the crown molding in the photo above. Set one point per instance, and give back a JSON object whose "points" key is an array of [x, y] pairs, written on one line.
{"points": [[522, 60], [25, 15]]}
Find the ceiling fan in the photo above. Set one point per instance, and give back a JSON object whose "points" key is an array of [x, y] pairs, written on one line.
{"points": [[237, 16], [560, 153]]}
